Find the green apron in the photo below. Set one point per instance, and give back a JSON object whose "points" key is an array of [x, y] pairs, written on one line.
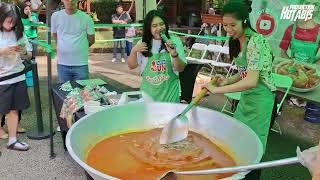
{"points": [[303, 51], [30, 31], [159, 80], [256, 104]]}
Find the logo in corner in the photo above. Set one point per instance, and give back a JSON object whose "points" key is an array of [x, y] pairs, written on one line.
{"points": [[297, 12]]}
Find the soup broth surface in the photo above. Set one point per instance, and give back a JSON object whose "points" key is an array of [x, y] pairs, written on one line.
{"points": [[139, 156]]}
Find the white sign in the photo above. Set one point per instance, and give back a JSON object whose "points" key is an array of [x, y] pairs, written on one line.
{"points": [[297, 12]]}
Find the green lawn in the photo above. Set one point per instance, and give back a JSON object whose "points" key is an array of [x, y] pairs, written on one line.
{"points": [[279, 146]]}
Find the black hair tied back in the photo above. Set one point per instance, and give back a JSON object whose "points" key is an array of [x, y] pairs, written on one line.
{"points": [[240, 10], [248, 3]]}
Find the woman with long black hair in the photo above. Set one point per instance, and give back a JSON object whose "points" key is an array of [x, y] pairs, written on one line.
{"points": [[159, 61], [253, 58], [14, 47]]}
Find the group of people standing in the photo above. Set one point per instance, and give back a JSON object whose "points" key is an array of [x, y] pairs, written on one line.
{"points": [[160, 63], [73, 31], [120, 33]]}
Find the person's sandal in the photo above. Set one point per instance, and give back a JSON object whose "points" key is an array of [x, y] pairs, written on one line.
{"points": [[16, 148]]}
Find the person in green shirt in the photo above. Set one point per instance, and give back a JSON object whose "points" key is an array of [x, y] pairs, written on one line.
{"points": [[254, 79], [160, 63], [29, 17]]}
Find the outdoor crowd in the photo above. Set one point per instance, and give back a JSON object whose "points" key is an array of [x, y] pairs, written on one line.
{"points": [[162, 63]]}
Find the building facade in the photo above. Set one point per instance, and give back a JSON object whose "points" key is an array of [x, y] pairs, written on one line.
{"points": [[183, 12]]}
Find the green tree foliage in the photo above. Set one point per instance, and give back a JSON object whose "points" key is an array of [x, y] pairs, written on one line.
{"points": [[104, 9], [8, 1]]}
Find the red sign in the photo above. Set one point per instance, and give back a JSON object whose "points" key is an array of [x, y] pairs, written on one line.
{"points": [[265, 24]]}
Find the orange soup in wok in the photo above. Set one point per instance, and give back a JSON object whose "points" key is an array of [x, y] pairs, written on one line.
{"points": [[139, 155]]}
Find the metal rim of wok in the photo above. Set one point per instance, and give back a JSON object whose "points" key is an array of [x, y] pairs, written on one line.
{"points": [[76, 158], [90, 169]]}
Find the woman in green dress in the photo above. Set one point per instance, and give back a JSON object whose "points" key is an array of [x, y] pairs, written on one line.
{"points": [[254, 80], [159, 62]]}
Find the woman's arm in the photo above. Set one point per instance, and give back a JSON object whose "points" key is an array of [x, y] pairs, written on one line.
{"points": [[132, 59], [25, 48], [177, 53], [260, 57], [25, 55], [178, 63], [247, 83], [30, 17], [8, 50], [231, 80]]}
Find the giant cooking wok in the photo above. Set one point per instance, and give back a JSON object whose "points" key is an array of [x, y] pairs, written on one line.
{"points": [[240, 141]]}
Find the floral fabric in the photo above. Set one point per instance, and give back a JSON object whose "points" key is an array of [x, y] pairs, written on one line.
{"points": [[259, 58]]}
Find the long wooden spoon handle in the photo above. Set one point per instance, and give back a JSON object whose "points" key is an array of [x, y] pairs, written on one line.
{"points": [[203, 92]]}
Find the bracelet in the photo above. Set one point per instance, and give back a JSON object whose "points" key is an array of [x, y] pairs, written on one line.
{"points": [[174, 56]]}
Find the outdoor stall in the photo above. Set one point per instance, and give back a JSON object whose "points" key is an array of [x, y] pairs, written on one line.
{"points": [[60, 94], [115, 134]]}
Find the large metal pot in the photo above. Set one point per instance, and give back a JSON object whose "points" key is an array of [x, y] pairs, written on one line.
{"points": [[243, 144]]}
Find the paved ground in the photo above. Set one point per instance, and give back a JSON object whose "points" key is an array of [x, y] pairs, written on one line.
{"points": [[36, 164]]}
